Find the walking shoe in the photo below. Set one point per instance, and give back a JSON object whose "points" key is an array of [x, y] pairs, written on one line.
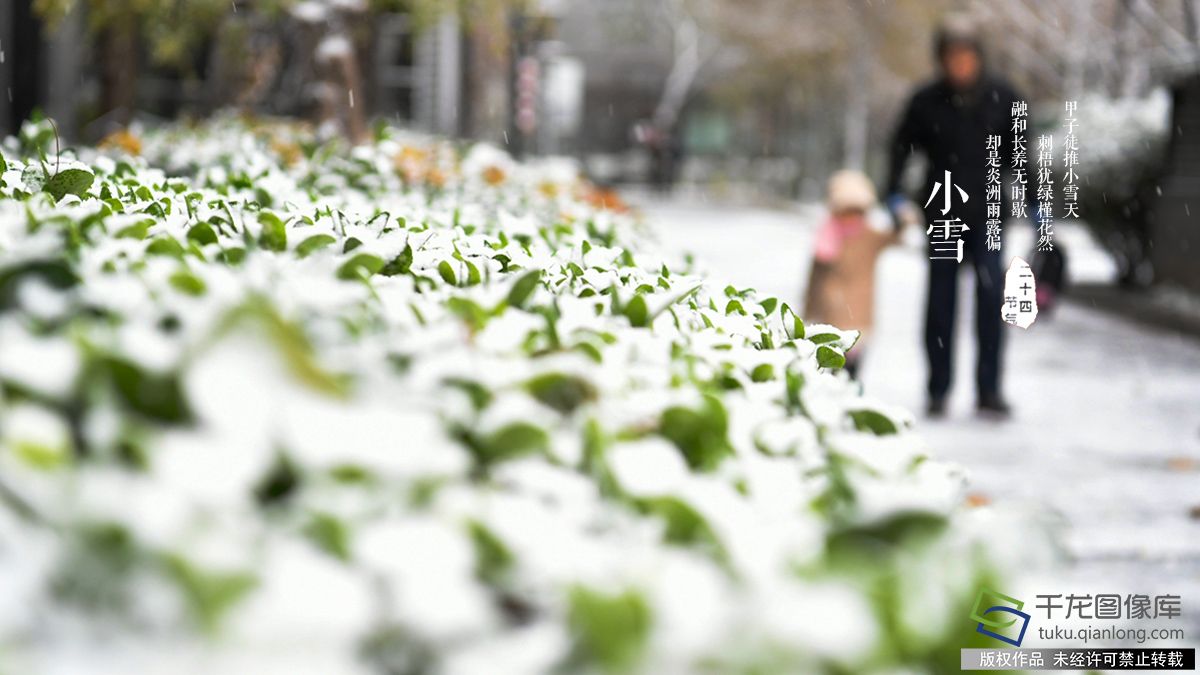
{"points": [[993, 405], [936, 408]]}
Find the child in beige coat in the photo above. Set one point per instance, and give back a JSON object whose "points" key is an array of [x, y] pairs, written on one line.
{"points": [[841, 286]]}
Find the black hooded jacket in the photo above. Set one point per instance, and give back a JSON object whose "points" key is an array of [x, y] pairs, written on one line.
{"points": [[950, 128]]}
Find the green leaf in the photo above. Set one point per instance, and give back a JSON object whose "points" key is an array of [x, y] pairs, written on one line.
{"points": [[480, 395], [186, 282], [41, 456], [562, 392], [524, 287], [830, 358], [473, 276], [167, 246], [518, 438], [137, 230], [873, 421], [401, 264], [701, 435], [447, 273], [314, 243], [793, 325], [611, 630], [822, 338], [513, 440], [768, 305], [210, 595], [794, 383], [637, 312], [492, 557], [232, 256], [156, 396], [279, 483], [685, 525], [274, 232], [69, 182], [764, 372], [361, 266], [330, 535], [469, 311], [202, 233], [591, 351]]}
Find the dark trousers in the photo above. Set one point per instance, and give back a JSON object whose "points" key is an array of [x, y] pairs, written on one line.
{"points": [[941, 309]]}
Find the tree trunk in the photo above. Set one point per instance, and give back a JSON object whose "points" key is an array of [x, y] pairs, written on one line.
{"points": [[119, 70], [340, 91]]}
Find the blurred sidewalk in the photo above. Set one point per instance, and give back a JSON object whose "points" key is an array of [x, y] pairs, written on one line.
{"points": [[1106, 435]]}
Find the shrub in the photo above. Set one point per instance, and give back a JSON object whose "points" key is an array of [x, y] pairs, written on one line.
{"points": [[392, 409]]}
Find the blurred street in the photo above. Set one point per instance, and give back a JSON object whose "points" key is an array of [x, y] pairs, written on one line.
{"points": [[1106, 436]]}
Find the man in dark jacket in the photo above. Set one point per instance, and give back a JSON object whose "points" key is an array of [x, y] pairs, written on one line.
{"points": [[949, 121]]}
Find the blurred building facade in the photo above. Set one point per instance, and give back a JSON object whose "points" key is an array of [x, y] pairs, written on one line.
{"points": [[445, 78]]}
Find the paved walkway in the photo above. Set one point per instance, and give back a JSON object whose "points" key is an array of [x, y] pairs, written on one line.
{"points": [[1106, 437]]}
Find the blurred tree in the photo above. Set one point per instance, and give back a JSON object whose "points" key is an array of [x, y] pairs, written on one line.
{"points": [[253, 40], [693, 44], [1054, 48], [847, 61], [809, 71], [171, 31]]}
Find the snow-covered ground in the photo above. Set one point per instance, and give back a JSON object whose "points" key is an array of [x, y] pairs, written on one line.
{"points": [[1106, 436]]}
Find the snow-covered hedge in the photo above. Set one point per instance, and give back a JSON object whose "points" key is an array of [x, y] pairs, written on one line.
{"points": [[274, 406]]}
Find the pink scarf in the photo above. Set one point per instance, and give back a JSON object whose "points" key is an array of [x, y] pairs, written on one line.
{"points": [[833, 235]]}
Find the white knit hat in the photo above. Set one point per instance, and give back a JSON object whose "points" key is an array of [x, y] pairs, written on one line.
{"points": [[851, 191]]}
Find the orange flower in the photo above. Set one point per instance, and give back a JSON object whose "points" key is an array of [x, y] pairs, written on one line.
{"points": [[604, 198], [977, 499], [287, 151], [123, 139], [412, 164], [493, 175]]}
